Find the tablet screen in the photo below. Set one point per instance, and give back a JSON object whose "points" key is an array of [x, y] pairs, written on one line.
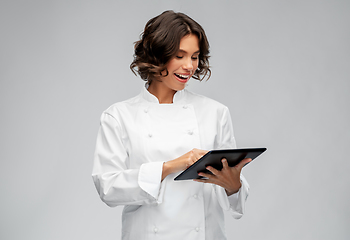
{"points": [[213, 158]]}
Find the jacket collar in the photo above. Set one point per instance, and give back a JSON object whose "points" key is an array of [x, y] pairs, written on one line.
{"points": [[178, 98]]}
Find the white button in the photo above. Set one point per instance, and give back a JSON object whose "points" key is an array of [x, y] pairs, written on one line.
{"points": [[145, 110], [197, 229], [150, 135], [195, 196], [155, 230], [185, 106], [190, 132]]}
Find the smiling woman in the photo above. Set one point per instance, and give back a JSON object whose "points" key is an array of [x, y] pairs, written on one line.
{"points": [[144, 142], [178, 71], [160, 43]]}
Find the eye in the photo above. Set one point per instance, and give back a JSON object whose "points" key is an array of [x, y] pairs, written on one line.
{"points": [[195, 57], [179, 57]]}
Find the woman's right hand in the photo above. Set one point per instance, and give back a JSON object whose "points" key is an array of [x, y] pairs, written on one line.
{"points": [[183, 162]]}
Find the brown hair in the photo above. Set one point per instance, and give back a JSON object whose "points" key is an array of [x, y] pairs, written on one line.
{"points": [[160, 42]]}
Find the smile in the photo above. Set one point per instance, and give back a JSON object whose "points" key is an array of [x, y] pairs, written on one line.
{"points": [[182, 78]]}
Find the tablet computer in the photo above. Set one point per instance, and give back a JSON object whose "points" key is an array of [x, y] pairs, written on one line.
{"points": [[213, 158]]}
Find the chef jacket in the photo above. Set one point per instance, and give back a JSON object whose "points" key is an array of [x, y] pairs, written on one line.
{"points": [[135, 138]]}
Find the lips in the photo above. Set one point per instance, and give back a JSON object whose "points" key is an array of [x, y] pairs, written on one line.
{"points": [[182, 77]]}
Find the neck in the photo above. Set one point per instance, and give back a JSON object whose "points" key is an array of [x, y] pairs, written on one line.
{"points": [[164, 95]]}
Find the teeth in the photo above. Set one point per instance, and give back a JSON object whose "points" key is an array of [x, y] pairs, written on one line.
{"points": [[183, 76]]}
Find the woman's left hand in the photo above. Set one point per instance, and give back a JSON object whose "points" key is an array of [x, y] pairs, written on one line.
{"points": [[228, 177]]}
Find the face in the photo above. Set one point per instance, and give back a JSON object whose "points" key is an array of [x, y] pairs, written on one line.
{"points": [[182, 66]]}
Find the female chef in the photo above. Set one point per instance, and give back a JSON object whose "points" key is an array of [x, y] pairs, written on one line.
{"points": [[144, 142]]}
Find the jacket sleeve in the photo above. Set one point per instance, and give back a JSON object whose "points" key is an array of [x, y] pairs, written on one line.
{"points": [[225, 140], [114, 181]]}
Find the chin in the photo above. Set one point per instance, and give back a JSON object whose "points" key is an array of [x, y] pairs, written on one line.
{"points": [[182, 87]]}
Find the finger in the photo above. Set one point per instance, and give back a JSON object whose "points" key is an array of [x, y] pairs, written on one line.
{"points": [[224, 163], [203, 180], [196, 156], [200, 151], [203, 152], [241, 164], [214, 171], [199, 180], [206, 175]]}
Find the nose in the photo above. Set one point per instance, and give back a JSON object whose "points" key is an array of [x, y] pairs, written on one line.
{"points": [[188, 65]]}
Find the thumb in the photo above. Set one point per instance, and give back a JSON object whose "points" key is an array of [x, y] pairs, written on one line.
{"points": [[241, 164]]}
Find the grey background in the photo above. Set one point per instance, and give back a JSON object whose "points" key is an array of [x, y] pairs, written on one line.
{"points": [[282, 67]]}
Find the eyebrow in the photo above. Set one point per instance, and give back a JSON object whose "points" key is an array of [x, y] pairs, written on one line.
{"points": [[183, 51]]}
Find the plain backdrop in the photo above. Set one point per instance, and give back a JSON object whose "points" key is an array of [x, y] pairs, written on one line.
{"points": [[282, 67]]}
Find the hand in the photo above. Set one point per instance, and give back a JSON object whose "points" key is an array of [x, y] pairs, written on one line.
{"points": [[183, 162], [228, 177]]}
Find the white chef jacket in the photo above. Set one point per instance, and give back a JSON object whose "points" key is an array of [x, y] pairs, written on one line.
{"points": [[135, 138]]}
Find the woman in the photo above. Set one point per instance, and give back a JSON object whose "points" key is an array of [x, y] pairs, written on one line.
{"points": [[144, 142]]}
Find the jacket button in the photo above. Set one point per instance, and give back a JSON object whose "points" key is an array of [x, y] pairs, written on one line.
{"points": [[155, 230], [195, 196], [150, 135], [185, 107], [190, 132], [197, 229], [145, 110]]}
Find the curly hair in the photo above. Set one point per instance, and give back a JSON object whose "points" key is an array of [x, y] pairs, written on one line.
{"points": [[160, 42]]}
